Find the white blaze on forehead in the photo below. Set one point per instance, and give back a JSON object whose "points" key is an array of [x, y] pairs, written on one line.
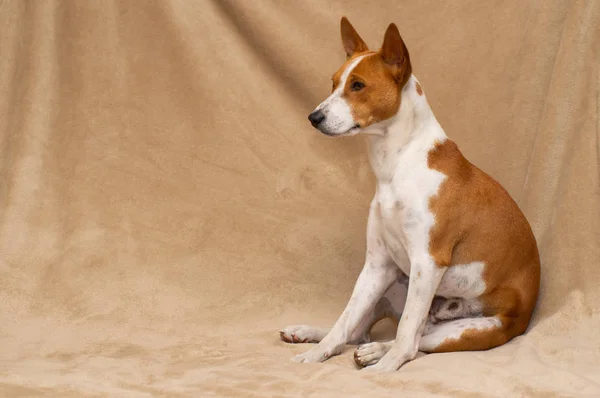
{"points": [[349, 70], [340, 88], [338, 115]]}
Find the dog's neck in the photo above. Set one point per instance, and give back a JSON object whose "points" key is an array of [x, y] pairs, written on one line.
{"points": [[406, 137]]}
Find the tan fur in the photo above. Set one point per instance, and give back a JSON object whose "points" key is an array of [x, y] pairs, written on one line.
{"points": [[477, 220]]}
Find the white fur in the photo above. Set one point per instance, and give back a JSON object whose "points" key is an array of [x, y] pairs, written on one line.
{"points": [[464, 281], [398, 235], [453, 308], [369, 354], [303, 334]]}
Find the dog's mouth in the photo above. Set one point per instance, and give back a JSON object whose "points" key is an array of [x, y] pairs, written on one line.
{"points": [[353, 129], [350, 131]]}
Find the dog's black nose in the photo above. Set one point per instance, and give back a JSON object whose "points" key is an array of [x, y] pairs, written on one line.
{"points": [[316, 117]]}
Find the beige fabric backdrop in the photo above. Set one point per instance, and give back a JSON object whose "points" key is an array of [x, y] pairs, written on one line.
{"points": [[166, 206]]}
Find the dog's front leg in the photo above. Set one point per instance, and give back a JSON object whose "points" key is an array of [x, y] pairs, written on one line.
{"points": [[378, 273], [425, 277]]}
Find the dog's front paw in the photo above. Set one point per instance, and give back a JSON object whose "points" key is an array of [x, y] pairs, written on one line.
{"points": [[314, 355], [390, 362], [302, 334], [370, 354]]}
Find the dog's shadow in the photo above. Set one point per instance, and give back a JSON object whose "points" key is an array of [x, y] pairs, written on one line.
{"points": [[384, 330]]}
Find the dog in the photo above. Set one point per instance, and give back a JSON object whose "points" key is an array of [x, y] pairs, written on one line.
{"points": [[449, 253]]}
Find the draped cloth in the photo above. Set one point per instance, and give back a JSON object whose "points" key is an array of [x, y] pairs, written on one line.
{"points": [[166, 207]]}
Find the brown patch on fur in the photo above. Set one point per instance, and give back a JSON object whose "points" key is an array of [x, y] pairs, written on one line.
{"points": [[477, 220], [419, 89]]}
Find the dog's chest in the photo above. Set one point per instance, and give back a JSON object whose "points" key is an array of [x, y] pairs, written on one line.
{"points": [[403, 225], [404, 210]]}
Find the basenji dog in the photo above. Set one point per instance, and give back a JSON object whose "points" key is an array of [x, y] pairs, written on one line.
{"points": [[449, 254]]}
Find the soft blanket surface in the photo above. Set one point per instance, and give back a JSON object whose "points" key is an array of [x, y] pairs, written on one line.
{"points": [[166, 207]]}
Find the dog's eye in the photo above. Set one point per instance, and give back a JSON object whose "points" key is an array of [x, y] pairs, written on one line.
{"points": [[357, 86]]}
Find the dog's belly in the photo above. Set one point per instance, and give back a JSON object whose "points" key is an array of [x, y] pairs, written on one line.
{"points": [[400, 227], [396, 250]]}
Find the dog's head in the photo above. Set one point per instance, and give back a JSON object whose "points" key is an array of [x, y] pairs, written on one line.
{"points": [[367, 88]]}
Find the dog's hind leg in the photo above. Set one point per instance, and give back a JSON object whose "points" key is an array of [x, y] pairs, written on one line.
{"points": [[468, 334]]}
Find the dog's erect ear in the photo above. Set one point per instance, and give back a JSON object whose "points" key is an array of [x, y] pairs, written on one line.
{"points": [[351, 40], [395, 53]]}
